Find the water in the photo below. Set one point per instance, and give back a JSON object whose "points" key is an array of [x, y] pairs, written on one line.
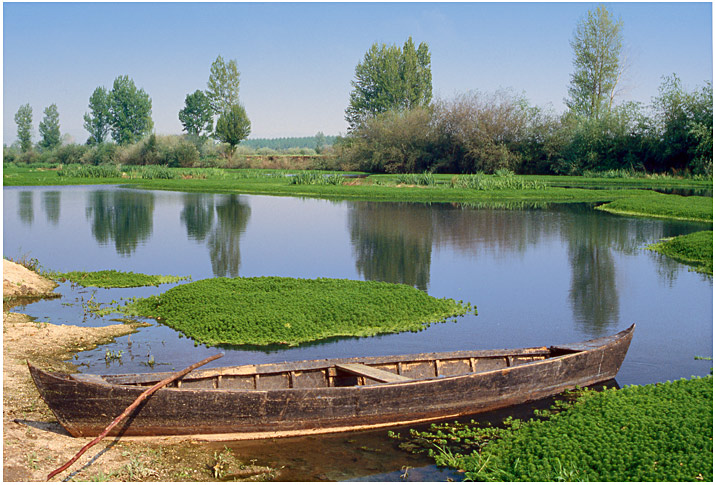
{"points": [[540, 275]]}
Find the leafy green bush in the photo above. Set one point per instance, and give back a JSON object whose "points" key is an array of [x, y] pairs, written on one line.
{"points": [[659, 432], [71, 153], [184, 154], [275, 310], [104, 153]]}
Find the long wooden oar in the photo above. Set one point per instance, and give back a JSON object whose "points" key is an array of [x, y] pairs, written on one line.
{"points": [[131, 408]]}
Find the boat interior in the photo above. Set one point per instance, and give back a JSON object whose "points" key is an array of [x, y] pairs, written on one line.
{"points": [[342, 372]]}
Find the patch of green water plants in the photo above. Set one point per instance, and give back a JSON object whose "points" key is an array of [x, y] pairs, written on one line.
{"points": [[116, 279], [695, 249], [653, 204], [656, 432], [276, 310]]}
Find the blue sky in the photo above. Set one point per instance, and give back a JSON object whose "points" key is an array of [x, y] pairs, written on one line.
{"points": [[297, 59]]}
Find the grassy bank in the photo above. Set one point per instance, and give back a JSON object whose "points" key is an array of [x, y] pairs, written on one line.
{"points": [[659, 432], [652, 204], [482, 189], [289, 311], [695, 249]]}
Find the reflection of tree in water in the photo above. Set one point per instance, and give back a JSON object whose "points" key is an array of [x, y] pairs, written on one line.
{"points": [[232, 216], [121, 216], [24, 207], [198, 215], [51, 205], [392, 243], [593, 291]]}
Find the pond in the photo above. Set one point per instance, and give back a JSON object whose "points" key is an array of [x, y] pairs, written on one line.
{"points": [[537, 273]]}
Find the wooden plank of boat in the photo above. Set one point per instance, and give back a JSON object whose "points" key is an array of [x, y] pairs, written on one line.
{"points": [[372, 373], [329, 395]]}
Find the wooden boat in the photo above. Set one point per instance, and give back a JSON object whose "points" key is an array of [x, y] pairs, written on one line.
{"points": [[321, 396]]}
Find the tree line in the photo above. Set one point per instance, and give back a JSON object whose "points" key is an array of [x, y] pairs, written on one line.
{"points": [[395, 125], [124, 113], [486, 132], [317, 142]]}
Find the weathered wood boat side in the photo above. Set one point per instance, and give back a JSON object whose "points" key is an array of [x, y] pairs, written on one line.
{"points": [[329, 395]]}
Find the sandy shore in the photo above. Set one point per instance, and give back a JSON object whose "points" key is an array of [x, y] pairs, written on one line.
{"points": [[34, 442]]}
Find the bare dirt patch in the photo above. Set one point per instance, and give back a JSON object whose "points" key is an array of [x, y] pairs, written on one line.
{"points": [[34, 443], [18, 281]]}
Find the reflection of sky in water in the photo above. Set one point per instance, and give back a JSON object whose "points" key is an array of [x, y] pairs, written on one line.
{"points": [[537, 276]]}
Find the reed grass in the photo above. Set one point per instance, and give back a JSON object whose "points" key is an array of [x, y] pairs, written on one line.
{"points": [[315, 178]]}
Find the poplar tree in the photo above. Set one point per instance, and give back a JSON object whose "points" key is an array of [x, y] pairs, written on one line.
{"points": [[390, 78], [23, 119], [98, 120], [223, 86], [50, 128], [597, 45], [130, 111]]}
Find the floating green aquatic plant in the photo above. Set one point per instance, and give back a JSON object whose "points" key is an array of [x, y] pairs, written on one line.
{"points": [[289, 311], [695, 249], [657, 432], [116, 279]]}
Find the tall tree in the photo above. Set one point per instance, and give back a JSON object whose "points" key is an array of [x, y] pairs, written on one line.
{"points": [[23, 119], [597, 45], [390, 78], [130, 111], [233, 126], [196, 117], [98, 120], [50, 128], [223, 86]]}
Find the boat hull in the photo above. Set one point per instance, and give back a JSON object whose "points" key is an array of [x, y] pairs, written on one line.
{"points": [[85, 408]]}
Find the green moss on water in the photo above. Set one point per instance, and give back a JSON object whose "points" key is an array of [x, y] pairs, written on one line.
{"points": [[695, 249], [288, 311], [660, 432], [116, 279]]}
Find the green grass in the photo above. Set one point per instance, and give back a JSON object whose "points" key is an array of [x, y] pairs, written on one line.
{"points": [[652, 204], [659, 432], [695, 249], [619, 197], [287, 311], [315, 178], [115, 279]]}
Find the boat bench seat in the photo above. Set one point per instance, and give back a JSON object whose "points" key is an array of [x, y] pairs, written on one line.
{"points": [[372, 373]]}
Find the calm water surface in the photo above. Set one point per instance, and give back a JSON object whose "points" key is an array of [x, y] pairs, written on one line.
{"points": [[537, 274]]}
